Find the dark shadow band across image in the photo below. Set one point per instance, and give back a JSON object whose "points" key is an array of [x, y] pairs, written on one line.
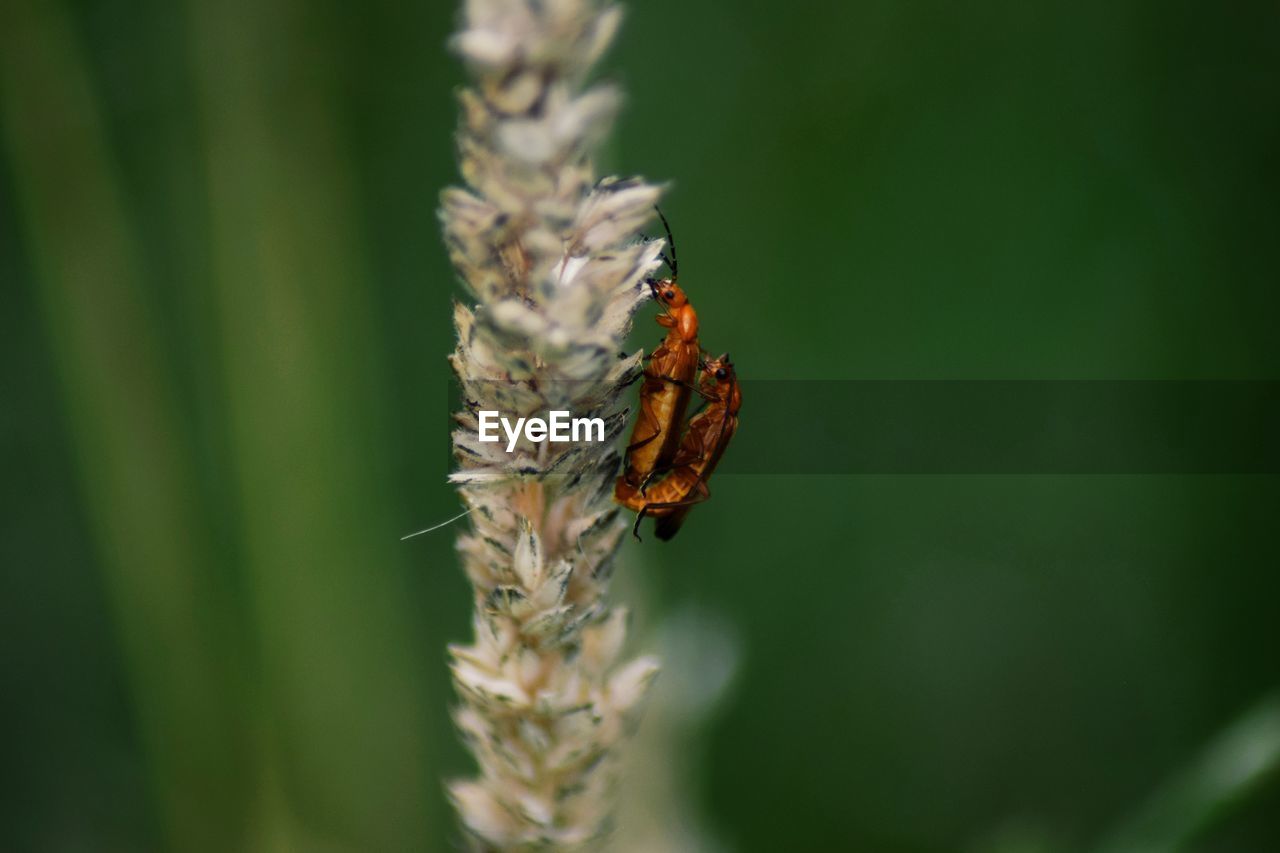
{"points": [[1007, 427]]}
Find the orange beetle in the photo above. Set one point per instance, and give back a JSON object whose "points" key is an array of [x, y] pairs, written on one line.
{"points": [[668, 382], [710, 431]]}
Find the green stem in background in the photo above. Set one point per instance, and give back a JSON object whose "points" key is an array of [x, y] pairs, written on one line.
{"points": [[136, 469], [1232, 767], [342, 700]]}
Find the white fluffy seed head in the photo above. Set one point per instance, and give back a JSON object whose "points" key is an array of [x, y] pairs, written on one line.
{"points": [[553, 271]]}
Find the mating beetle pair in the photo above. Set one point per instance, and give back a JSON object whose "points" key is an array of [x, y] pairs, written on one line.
{"points": [[668, 460]]}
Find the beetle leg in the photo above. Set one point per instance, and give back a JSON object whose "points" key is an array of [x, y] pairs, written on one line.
{"points": [[649, 477], [703, 494], [650, 421]]}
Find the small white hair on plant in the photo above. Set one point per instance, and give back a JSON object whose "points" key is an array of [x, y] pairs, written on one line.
{"points": [[550, 257]]}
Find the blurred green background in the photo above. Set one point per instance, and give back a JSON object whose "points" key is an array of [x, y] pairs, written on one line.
{"points": [[226, 312]]}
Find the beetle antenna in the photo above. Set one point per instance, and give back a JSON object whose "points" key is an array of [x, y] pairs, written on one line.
{"points": [[671, 241]]}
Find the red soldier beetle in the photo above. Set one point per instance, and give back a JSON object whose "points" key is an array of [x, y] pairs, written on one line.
{"points": [[670, 499], [668, 381]]}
